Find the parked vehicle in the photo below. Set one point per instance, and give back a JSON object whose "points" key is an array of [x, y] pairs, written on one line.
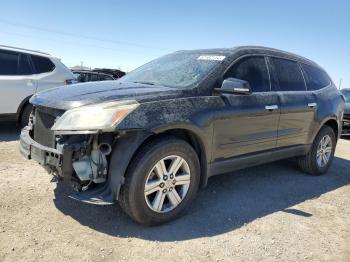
{"points": [[90, 76], [113, 72], [346, 119], [24, 72], [150, 139]]}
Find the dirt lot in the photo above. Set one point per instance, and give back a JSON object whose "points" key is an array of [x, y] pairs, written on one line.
{"points": [[273, 212]]}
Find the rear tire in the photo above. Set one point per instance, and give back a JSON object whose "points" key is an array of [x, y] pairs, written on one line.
{"points": [[25, 113], [320, 157], [155, 161]]}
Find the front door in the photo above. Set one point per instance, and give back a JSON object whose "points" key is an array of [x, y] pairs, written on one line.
{"points": [[249, 122]]}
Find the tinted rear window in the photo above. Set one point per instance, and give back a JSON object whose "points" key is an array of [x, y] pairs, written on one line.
{"points": [[24, 65], [9, 63], [42, 64], [289, 75], [252, 69], [316, 78]]}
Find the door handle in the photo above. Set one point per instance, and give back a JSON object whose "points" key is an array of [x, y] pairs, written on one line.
{"points": [[312, 105], [30, 82], [271, 107]]}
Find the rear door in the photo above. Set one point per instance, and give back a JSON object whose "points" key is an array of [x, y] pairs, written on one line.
{"points": [[249, 122], [16, 80], [298, 105]]}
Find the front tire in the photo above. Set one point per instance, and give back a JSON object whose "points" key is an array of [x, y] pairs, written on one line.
{"points": [[320, 157], [161, 181]]}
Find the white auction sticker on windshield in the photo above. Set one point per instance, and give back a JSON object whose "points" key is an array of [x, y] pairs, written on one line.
{"points": [[211, 57]]}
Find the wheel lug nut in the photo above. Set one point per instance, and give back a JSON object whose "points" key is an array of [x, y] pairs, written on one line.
{"points": [[165, 177], [164, 190], [161, 185], [171, 176], [174, 182], [170, 189]]}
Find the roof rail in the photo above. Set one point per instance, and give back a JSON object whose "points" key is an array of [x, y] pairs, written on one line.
{"points": [[24, 49]]}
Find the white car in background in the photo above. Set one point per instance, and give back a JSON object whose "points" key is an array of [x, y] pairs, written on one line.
{"points": [[24, 72]]}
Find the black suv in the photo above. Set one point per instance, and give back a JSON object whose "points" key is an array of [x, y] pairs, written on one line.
{"points": [[153, 137], [90, 76]]}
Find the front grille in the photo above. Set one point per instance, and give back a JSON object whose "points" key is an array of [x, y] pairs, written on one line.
{"points": [[44, 120]]}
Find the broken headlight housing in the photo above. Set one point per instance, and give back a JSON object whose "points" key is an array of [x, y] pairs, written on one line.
{"points": [[104, 116]]}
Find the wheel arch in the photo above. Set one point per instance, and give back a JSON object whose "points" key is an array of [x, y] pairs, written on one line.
{"points": [[127, 147], [24, 102], [191, 135], [332, 123]]}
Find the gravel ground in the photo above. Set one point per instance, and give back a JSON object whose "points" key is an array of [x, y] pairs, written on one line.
{"points": [[267, 213]]}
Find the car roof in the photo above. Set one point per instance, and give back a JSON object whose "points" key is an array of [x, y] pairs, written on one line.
{"points": [[260, 49], [24, 50]]}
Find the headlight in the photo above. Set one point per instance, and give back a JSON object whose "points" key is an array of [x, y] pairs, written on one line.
{"points": [[103, 116]]}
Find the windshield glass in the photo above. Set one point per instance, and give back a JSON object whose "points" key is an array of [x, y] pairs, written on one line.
{"points": [[347, 96], [174, 70]]}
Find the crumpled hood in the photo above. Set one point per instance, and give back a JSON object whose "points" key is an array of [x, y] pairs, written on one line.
{"points": [[67, 97]]}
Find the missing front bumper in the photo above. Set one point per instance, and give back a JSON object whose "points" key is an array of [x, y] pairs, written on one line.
{"points": [[53, 160], [42, 154]]}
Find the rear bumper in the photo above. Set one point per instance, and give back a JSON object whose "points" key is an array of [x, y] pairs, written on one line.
{"points": [[45, 156]]}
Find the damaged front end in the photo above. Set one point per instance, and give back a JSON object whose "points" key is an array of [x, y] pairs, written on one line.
{"points": [[81, 158], [94, 161]]}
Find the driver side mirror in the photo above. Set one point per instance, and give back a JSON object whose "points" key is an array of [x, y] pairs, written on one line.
{"points": [[234, 86]]}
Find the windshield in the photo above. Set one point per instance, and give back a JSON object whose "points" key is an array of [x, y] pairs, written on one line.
{"points": [[347, 95], [174, 70]]}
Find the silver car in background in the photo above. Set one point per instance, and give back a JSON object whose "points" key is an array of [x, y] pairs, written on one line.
{"points": [[24, 72]]}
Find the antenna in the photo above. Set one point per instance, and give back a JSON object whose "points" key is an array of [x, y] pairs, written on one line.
{"points": [[339, 84]]}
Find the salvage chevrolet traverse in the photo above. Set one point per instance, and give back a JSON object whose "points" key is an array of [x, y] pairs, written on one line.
{"points": [[151, 139]]}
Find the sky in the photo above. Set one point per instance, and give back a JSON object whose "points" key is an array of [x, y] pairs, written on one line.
{"points": [[127, 34]]}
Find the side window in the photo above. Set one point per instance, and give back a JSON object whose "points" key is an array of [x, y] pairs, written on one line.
{"points": [[105, 77], [252, 69], [24, 65], [9, 63], [84, 77], [289, 75], [42, 64], [77, 76], [94, 77], [316, 78]]}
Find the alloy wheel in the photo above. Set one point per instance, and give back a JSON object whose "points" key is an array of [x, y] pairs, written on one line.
{"points": [[324, 151], [167, 184]]}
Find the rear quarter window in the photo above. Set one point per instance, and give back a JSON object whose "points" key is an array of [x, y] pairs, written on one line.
{"points": [[24, 65], [289, 75], [316, 78], [42, 64]]}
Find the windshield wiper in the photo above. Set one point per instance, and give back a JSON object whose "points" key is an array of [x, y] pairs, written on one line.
{"points": [[145, 82]]}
